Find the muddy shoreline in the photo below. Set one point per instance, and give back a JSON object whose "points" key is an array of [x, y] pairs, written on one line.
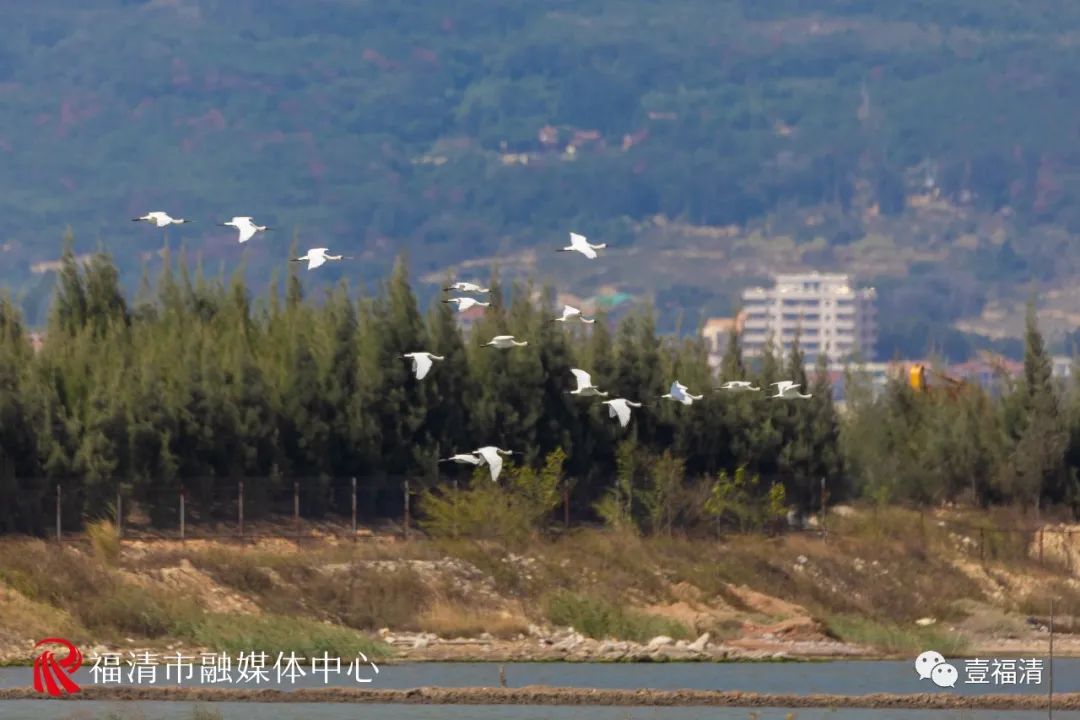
{"points": [[542, 695]]}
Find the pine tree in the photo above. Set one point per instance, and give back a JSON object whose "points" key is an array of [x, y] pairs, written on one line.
{"points": [[450, 418], [732, 367], [69, 305], [401, 407], [1039, 457]]}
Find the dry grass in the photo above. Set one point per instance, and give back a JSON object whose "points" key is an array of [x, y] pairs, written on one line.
{"points": [[452, 619], [23, 617], [879, 570], [104, 539]]}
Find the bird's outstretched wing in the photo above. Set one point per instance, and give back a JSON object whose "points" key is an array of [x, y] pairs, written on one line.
{"points": [[493, 459], [421, 364], [463, 458], [583, 378], [622, 411]]}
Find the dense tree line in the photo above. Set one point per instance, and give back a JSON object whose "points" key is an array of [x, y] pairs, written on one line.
{"points": [[197, 383]]}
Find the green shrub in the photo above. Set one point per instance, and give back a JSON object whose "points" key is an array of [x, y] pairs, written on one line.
{"points": [[274, 633], [600, 619], [512, 512]]}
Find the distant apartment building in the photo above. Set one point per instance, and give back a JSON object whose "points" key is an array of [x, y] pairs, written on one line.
{"points": [[1061, 366], [829, 315], [716, 332]]}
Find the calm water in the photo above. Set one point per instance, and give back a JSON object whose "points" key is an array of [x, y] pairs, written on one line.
{"points": [[45, 710], [845, 678], [854, 678]]}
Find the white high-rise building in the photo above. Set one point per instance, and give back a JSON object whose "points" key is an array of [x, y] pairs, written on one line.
{"points": [[829, 314]]}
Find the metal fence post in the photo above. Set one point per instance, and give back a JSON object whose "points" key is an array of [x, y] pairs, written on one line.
{"points": [[58, 537], [119, 515], [457, 499], [182, 513], [566, 505], [406, 509], [354, 505], [296, 509], [240, 507], [824, 532]]}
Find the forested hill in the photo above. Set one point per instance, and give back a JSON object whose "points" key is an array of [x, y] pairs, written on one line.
{"points": [[800, 131]]}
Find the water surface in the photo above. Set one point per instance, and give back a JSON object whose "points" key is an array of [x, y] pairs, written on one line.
{"points": [[801, 678], [63, 710]]}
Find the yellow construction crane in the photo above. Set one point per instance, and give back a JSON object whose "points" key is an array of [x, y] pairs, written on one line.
{"points": [[917, 379]]}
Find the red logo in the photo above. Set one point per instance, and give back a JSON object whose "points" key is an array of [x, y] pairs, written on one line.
{"points": [[48, 671]]}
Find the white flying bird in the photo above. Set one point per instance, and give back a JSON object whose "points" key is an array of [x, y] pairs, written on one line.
{"points": [[505, 342], [739, 386], [317, 256], [161, 219], [421, 362], [572, 313], [465, 303], [788, 390], [620, 408], [584, 384], [246, 226], [492, 457], [578, 243], [466, 287], [678, 393], [464, 459]]}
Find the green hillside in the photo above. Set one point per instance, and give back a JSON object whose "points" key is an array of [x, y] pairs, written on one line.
{"points": [[375, 127]]}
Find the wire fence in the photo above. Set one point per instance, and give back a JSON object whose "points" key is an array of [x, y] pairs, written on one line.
{"points": [[250, 508], [386, 508]]}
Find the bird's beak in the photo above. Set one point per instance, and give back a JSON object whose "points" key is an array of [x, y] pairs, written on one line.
{"points": [[447, 301], [224, 224], [135, 219]]}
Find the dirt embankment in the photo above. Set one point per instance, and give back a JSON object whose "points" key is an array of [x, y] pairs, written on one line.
{"points": [[877, 586], [542, 695]]}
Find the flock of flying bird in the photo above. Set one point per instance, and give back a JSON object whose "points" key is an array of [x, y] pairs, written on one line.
{"points": [[422, 361]]}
